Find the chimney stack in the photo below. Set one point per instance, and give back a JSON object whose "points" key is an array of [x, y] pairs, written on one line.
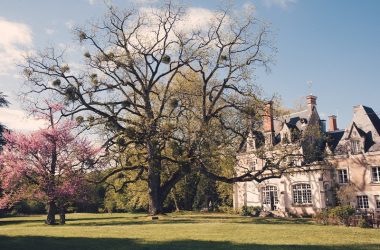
{"points": [[332, 123], [311, 102], [268, 124], [268, 117]]}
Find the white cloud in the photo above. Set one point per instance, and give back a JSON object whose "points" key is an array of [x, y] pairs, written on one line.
{"points": [[15, 40], [70, 24], [193, 19], [197, 18], [49, 31], [17, 120], [249, 7], [92, 2], [284, 4], [144, 1]]}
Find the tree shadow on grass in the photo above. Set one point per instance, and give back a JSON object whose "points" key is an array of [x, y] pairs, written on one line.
{"points": [[16, 222], [98, 218], [13, 221], [57, 243], [184, 220], [145, 220], [282, 221]]}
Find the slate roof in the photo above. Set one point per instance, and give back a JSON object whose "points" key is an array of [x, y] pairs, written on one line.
{"points": [[333, 138], [367, 123], [373, 118], [293, 120]]}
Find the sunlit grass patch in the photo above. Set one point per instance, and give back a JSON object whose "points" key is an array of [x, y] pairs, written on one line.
{"points": [[180, 231]]}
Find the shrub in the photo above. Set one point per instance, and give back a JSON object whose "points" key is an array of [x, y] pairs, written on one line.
{"points": [[322, 217], [244, 211], [364, 222], [28, 207], [342, 214], [226, 209], [250, 211]]}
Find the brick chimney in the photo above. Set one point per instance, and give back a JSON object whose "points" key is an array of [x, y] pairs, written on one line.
{"points": [[332, 123], [268, 117], [311, 102], [268, 124]]}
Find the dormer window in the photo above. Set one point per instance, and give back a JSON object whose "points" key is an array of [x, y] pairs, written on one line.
{"points": [[251, 142], [285, 138], [252, 165], [355, 147]]}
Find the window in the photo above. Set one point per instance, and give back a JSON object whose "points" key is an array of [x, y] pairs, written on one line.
{"points": [[293, 161], [362, 201], [342, 176], [252, 163], [285, 138], [355, 147], [302, 194], [252, 166], [377, 201], [269, 191], [375, 174]]}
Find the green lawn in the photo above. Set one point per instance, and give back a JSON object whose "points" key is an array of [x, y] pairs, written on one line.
{"points": [[180, 231]]}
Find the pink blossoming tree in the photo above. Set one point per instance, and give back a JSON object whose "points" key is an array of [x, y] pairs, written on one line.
{"points": [[48, 165]]}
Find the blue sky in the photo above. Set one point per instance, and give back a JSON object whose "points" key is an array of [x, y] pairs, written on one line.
{"points": [[333, 43]]}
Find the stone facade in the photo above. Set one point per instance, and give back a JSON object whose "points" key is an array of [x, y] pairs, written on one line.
{"points": [[348, 158]]}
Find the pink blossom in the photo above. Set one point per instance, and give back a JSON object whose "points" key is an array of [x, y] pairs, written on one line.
{"points": [[46, 164]]}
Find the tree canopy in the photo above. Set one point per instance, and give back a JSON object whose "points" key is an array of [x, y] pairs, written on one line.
{"points": [[48, 165], [169, 98]]}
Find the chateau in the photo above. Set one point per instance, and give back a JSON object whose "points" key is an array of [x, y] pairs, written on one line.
{"points": [[349, 157]]}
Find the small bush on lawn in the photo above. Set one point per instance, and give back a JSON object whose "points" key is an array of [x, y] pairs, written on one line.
{"points": [[250, 211], [28, 207], [342, 214], [322, 217], [227, 209], [364, 222]]}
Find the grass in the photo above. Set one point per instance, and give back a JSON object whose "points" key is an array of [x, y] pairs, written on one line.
{"points": [[180, 231]]}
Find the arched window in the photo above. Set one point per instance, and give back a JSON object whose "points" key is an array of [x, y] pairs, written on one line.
{"points": [[269, 193], [302, 193]]}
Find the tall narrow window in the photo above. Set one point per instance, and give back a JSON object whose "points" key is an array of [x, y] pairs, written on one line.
{"points": [[342, 176], [376, 174], [377, 200], [302, 194], [269, 193], [355, 147], [285, 139], [362, 201], [252, 165]]}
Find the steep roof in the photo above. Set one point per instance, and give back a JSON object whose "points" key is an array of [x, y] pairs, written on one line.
{"points": [[293, 120], [373, 118], [333, 138], [366, 122]]}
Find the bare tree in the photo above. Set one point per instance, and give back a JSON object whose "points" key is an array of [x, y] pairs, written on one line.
{"points": [[126, 88]]}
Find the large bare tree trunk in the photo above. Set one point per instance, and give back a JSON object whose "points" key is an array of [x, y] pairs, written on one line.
{"points": [[155, 202], [52, 209], [154, 179]]}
